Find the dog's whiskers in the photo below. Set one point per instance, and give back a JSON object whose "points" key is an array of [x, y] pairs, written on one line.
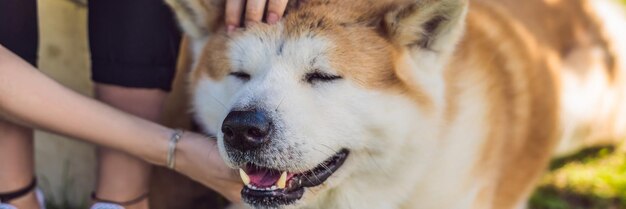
{"points": [[373, 160], [323, 165], [325, 153], [307, 178], [218, 101], [281, 102], [328, 147]]}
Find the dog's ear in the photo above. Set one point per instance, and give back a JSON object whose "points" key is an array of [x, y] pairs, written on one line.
{"points": [[198, 18], [426, 24]]}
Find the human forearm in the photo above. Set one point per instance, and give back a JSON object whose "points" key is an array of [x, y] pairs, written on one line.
{"points": [[34, 99], [40, 102]]}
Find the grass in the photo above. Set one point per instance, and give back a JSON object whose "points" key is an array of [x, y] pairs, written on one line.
{"points": [[592, 179]]}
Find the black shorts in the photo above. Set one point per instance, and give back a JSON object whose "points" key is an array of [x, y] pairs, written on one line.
{"points": [[133, 43]]}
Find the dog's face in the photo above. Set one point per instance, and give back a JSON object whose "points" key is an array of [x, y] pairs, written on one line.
{"points": [[304, 106], [300, 103]]}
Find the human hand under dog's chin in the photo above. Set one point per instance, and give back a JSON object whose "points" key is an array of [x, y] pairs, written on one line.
{"points": [[198, 158]]}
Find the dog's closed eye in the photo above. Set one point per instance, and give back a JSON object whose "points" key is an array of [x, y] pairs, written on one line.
{"points": [[318, 76], [241, 75]]}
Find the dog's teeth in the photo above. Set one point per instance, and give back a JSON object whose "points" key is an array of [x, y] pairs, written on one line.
{"points": [[282, 181], [274, 188], [244, 177]]}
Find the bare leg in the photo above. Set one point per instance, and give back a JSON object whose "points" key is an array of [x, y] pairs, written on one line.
{"points": [[121, 176], [16, 162], [19, 34]]}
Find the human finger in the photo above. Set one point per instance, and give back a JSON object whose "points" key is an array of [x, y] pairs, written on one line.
{"points": [[255, 10], [275, 10], [234, 11]]}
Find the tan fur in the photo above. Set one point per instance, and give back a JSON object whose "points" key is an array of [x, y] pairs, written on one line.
{"points": [[516, 51]]}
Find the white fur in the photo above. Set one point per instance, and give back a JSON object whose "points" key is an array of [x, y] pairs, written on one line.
{"points": [[396, 159]]}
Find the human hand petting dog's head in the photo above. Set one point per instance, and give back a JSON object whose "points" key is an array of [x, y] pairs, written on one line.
{"points": [[252, 11], [202, 18]]}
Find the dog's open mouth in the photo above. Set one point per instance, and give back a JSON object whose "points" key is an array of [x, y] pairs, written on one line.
{"points": [[271, 188]]}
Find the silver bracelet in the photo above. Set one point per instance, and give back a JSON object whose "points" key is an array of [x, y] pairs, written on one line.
{"points": [[171, 152]]}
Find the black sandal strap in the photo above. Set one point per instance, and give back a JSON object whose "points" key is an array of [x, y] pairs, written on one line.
{"points": [[127, 203], [7, 197]]}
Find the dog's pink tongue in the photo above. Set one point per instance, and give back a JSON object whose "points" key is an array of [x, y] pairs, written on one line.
{"points": [[263, 177]]}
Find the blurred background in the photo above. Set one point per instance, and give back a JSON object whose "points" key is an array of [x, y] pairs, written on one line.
{"points": [[65, 168], [592, 179]]}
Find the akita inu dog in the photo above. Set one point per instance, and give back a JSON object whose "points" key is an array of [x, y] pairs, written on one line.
{"points": [[405, 103]]}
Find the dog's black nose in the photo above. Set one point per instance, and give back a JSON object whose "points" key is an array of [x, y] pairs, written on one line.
{"points": [[246, 130]]}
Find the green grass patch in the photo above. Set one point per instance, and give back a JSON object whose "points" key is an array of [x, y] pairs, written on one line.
{"points": [[592, 179]]}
